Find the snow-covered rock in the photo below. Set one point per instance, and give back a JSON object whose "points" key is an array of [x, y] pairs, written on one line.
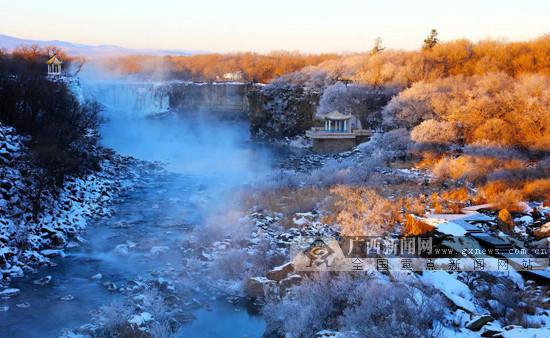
{"points": [[141, 319], [456, 291], [10, 292], [281, 272], [477, 322]]}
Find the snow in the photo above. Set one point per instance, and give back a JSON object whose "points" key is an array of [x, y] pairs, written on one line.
{"points": [[519, 332], [525, 219], [140, 319], [450, 228], [10, 292], [452, 288]]}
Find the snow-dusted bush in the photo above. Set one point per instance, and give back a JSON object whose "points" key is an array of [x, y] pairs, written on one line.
{"points": [[393, 310], [436, 132], [389, 146], [309, 78], [511, 112], [113, 319], [360, 211], [473, 168], [363, 304]]}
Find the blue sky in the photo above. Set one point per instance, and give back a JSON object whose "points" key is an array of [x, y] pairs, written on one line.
{"points": [[238, 25]]}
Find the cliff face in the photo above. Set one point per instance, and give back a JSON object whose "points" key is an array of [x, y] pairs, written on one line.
{"points": [[226, 101], [274, 112], [281, 112]]}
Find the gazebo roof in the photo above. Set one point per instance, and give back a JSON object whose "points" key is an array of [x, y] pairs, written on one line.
{"points": [[54, 60], [336, 115]]}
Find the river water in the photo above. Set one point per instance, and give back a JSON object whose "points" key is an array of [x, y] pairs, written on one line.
{"points": [[206, 161]]}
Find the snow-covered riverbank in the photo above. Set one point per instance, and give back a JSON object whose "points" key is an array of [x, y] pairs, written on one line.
{"points": [[29, 239]]}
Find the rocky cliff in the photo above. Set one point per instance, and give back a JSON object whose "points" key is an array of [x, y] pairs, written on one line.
{"points": [[281, 112], [223, 100]]}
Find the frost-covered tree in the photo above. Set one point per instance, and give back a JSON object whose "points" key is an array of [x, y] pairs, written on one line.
{"points": [[494, 107], [436, 132], [431, 40], [364, 102], [377, 48]]}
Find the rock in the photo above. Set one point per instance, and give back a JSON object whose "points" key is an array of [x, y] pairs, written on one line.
{"points": [[8, 293], [489, 332], [15, 272], [505, 221], [43, 280], [140, 319], [67, 297], [289, 282], [280, 272], [256, 287], [330, 334], [52, 253], [460, 318], [111, 286], [183, 317], [121, 249], [121, 225], [193, 304], [477, 322], [205, 256], [543, 231], [157, 250], [97, 276], [525, 220]]}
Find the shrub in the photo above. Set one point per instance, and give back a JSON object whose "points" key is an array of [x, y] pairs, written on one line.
{"points": [[361, 211], [537, 190], [472, 168], [360, 304], [436, 132]]}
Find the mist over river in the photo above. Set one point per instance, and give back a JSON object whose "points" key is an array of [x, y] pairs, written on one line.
{"points": [[206, 161]]}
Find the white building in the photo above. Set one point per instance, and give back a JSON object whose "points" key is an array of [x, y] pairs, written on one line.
{"points": [[233, 76], [54, 66]]}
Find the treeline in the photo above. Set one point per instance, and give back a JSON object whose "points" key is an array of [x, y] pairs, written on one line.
{"points": [[210, 67], [61, 128], [460, 57]]}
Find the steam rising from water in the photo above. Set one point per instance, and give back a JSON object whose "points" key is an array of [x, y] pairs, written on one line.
{"points": [[217, 155]]}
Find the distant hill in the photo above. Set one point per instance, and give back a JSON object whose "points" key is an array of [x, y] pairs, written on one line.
{"points": [[9, 42]]}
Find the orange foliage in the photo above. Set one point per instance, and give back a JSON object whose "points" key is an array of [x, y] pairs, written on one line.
{"points": [[538, 190], [502, 194], [472, 167], [362, 212], [415, 226], [460, 57]]}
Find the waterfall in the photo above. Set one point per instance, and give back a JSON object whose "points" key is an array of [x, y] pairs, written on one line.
{"points": [[124, 99]]}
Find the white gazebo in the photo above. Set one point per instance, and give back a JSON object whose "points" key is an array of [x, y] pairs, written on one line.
{"points": [[337, 122], [54, 66], [341, 133]]}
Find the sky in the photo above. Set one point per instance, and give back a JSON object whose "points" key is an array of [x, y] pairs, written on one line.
{"points": [[247, 25]]}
